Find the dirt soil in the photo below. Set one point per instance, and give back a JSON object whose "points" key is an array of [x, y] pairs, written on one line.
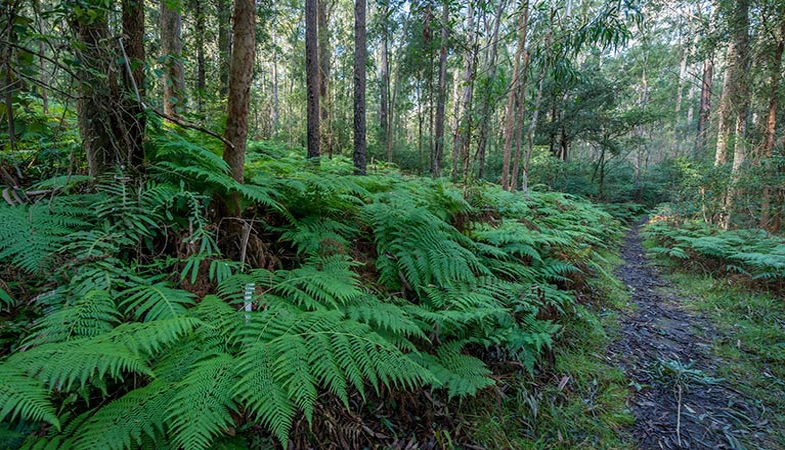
{"points": [[678, 402]]}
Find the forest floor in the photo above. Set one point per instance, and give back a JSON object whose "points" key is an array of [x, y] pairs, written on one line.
{"points": [[665, 348]]}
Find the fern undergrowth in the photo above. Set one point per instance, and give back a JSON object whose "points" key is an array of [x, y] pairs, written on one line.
{"points": [[140, 328]]}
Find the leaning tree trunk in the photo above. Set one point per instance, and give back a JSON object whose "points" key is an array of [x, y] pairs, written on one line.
{"points": [[438, 151], [240, 77], [360, 51], [312, 77], [172, 55]]}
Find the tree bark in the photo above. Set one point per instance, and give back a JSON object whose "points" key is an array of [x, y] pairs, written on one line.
{"points": [[395, 89], [384, 78], [462, 132], [172, 54], [312, 77], [134, 84], [487, 111], [775, 78], [724, 113], [201, 78], [739, 101], [701, 139], [438, 156], [517, 78], [224, 45], [324, 75], [360, 51], [240, 78]]}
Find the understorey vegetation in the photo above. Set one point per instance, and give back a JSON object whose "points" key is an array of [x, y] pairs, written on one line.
{"points": [[333, 307]]}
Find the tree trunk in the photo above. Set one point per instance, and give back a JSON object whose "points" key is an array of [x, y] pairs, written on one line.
{"points": [[172, 55], [517, 78], [276, 106], [725, 115], [533, 125], [739, 101], [42, 64], [224, 45], [442, 94], [9, 84], [775, 77], [133, 29], [201, 79], [395, 89], [240, 78], [324, 75], [701, 140], [463, 132], [312, 77], [360, 51], [487, 110], [384, 80]]}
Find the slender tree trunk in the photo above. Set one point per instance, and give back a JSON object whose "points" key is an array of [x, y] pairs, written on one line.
{"points": [[384, 80], [360, 51], [701, 140], [42, 64], [775, 78], [240, 78], [533, 125], [442, 94], [324, 75], [463, 132], [487, 110], [395, 89], [224, 45], [172, 54], [312, 76], [738, 102], [276, 106], [691, 103], [517, 78], [9, 83], [725, 113], [201, 78]]}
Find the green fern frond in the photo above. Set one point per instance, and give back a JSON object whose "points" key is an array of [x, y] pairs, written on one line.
{"points": [[62, 365], [127, 422], [25, 397], [91, 315], [203, 403], [157, 301]]}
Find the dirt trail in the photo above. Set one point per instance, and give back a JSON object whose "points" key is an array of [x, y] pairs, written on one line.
{"points": [[678, 401]]}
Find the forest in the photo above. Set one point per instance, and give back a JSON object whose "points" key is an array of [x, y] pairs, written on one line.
{"points": [[394, 224]]}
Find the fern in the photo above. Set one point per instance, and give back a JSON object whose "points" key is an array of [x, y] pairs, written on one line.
{"points": [[23, 396], [202, 405], [125, 423], [157, 301], [93, 314]]}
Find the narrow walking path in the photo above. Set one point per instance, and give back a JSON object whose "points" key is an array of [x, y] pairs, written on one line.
{"points": [[678, 402]]}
